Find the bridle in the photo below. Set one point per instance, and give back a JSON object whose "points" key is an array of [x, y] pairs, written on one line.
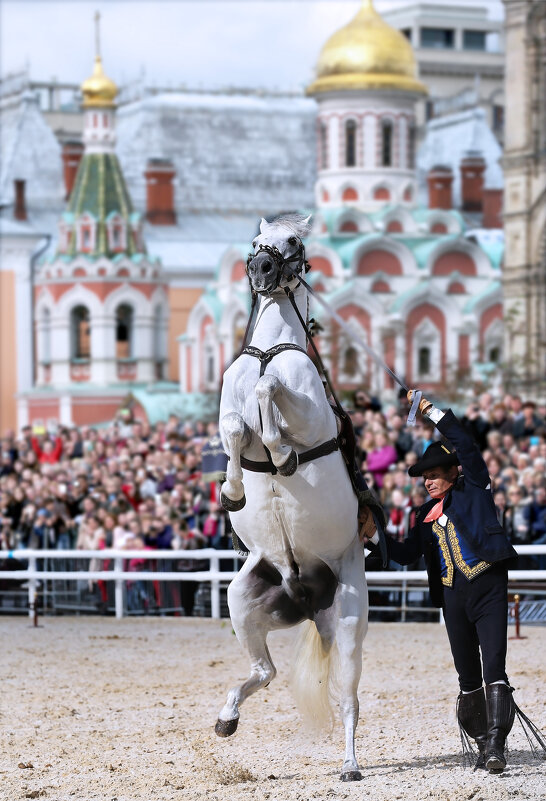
{"points": [[282, 262]]}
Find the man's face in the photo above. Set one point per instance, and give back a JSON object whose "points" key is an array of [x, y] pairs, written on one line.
{"points": [[438, 480]]}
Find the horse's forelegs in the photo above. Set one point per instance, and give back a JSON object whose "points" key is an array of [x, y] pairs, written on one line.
{"points": [[235, 434], [268, 388], [352, 627]]}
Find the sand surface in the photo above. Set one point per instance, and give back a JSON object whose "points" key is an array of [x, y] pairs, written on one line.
{"points": [[93, 708]]}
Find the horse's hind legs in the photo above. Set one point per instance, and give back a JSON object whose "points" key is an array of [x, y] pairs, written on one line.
{"points": [[351, 630], [235, 435], [251, 632]]}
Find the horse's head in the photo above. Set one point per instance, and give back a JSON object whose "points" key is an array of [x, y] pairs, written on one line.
{"points": [[279, 255]]}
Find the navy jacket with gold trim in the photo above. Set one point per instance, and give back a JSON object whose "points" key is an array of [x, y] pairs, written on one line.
{"points": [[470, 507]]}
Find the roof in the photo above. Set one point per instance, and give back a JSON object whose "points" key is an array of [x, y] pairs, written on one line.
{"points": [[230, 152], [493, 287], [451, 138], [100, 190], [29, 151]]}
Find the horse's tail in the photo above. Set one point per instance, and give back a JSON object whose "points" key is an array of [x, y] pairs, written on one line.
{"points": [[312, 678]]}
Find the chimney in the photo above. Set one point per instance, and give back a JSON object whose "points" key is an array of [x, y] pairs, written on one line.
{"points": [[492, 208], [71, 155], [439, 181], [472, 179], [20, 210], [160, 192]]}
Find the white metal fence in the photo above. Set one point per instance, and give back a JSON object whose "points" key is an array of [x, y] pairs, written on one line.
{"points": [[403, 581]]}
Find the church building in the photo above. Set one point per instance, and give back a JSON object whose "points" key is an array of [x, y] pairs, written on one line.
{"points": [[100, 302], [421, 284]]}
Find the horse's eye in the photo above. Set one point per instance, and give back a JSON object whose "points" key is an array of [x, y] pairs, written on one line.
{"points": [[292, 240], [254, 244]]}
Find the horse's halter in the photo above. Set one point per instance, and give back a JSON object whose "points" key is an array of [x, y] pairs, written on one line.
{"points": [[281, 262]]}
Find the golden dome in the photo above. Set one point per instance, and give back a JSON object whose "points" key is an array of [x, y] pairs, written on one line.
{"points": [[98, 90], [367, 54]]}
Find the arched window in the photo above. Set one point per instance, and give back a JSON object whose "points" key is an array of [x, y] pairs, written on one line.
{"points": [[494, 354], [80, 333], [323, 145], [159, 354], [209, 359], [350, 143], [386, 143], [124, 331], [350, 361], [412, 139], [45, 355], [86, 228], [424, 362]]}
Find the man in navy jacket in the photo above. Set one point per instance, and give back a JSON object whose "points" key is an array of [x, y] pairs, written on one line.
{"points": [[466, 553]]}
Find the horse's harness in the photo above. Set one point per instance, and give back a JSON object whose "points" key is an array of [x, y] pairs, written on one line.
{"points": [[324, 449], [265, 357]]}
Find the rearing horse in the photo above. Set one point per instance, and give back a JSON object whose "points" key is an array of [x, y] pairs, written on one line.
{"points": [[290, 500]]}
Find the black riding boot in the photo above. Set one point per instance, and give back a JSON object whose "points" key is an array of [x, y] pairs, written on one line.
{"points": [[472, 717], [500, 718]]}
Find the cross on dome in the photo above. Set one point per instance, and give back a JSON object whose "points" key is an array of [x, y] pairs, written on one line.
{"points": [[98, 91]]}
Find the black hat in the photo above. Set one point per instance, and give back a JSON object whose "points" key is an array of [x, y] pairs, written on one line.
{"points": [[436, 455]]}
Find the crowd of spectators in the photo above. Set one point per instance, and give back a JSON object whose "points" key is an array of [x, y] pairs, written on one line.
{"points": [[127, 485], [133, 485]]}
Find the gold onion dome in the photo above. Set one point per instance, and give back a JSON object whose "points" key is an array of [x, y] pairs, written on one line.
{"points": [[367, 54], [98, 90]]}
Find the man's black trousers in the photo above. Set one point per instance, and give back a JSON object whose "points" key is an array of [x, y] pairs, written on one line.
{"points": [[476, 616]]}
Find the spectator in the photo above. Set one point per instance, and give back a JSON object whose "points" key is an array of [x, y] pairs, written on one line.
{"points": [[528, 423], [381, 457], [47, 452], [536, 514]]}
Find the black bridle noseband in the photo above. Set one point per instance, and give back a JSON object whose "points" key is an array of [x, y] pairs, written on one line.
{"points": [[281, 261]]}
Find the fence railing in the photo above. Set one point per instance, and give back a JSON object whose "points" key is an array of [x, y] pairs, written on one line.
{"points": [[39, 571]]}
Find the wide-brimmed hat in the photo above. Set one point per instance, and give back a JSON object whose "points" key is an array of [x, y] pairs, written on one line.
{"points": [[436, 455]]}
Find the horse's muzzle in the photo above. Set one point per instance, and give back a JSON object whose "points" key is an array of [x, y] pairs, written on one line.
{"points": [[264, 272]]}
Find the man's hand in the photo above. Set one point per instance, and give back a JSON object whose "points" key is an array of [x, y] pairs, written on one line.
{"points": [[424, 406], [366, 524]]}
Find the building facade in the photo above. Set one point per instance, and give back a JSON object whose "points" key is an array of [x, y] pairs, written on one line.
{"points": [[460, 56], [100, 303], [524, 275], [419, 285]]}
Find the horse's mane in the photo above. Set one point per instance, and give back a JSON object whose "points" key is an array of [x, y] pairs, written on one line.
{"points": [[294, 222]]}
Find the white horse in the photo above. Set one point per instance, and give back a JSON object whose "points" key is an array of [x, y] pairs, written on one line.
{"points": [[299, 521]]}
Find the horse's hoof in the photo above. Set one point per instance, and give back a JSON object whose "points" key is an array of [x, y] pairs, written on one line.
{"points": [[225, 728], [230, 505], [351, 776], [290, 466]]}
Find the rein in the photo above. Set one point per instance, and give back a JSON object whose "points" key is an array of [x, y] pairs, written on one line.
{"points": [[375, 356]]}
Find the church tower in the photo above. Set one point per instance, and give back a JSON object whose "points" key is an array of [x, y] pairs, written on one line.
{"points": [[101, 310], [366, 88]]}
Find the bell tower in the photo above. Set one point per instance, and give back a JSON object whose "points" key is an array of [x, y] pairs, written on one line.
{"points": [[366, 88]]}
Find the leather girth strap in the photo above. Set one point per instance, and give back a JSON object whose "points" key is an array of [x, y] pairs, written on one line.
{"points": [[327, 447]]}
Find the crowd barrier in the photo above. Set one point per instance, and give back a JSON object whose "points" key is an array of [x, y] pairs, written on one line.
{"points": [[62, 577]]}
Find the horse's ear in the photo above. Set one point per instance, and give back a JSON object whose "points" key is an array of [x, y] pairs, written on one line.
{"points": [[263, 225]]}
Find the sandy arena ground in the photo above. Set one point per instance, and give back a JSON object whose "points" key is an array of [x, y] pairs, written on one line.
{"points": [[124, 711]]}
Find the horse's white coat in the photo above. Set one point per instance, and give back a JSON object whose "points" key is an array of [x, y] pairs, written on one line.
{"points": [[297, 523]]}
